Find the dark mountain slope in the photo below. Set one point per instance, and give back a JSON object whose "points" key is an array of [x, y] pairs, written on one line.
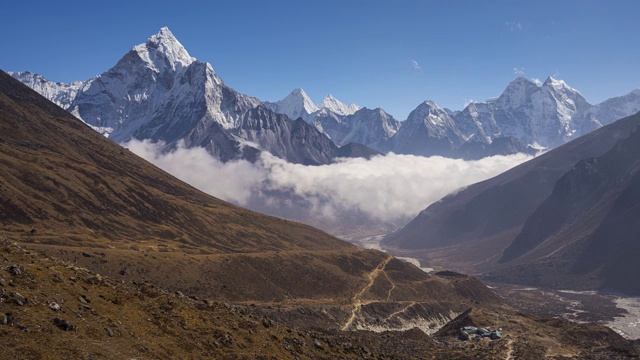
{"points": [[587, 232], [355, 150], [471, 228]]}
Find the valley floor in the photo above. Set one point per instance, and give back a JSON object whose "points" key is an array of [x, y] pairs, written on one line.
{"points": [[619, 312]]}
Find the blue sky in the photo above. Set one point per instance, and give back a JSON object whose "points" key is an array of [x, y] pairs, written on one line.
{"points": [[388, 54]]}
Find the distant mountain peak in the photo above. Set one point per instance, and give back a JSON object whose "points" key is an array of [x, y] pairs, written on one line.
{"points": [[331, 103], [558, 84], [297, 104], [163, 49], [299, 91], [521, 82], [428, 106]]}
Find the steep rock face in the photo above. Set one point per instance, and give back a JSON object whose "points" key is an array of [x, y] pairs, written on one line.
{"points": [[476, 122], [530, 115], [474, 150], [429, 130], [540, 114], [372, 128], [355, 150], [295, 141]]}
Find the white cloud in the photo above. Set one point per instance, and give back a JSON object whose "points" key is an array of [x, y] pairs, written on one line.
{"points": [[233, 181], [385, 188], [518, 71], [536, 81], [415, 65]]}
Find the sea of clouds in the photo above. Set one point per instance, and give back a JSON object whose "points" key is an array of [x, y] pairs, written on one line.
{"points": [[387, 188]]}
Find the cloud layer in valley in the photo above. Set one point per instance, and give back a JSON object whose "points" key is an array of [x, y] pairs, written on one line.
{"points": [[386, 188]]}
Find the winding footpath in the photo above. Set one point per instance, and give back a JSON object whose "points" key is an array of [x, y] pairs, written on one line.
{"points": [[356, 302]]}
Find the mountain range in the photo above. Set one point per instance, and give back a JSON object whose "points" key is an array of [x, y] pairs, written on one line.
{"points": [[107, 256], [157, 91]]}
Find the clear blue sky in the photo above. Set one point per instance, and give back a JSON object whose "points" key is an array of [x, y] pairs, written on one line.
{"points": [[388, 54]]}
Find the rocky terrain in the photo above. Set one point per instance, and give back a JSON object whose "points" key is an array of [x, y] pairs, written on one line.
{"points": [[54, 309]]}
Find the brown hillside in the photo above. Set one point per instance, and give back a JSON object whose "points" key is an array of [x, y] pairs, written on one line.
{"points": [[50, 309], [67, 182]]}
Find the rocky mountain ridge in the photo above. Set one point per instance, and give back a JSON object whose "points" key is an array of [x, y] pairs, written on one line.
{"points": [[159, 92]]}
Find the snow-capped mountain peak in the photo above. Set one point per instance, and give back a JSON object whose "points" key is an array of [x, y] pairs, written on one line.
{"points": [[558, 84], [518, 92], [163, 49], [428, 107], [297, 104], [338, 107]]}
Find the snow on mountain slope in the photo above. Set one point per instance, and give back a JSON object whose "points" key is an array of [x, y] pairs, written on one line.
{"points": [[157, 91], [369, 127], [334, 105], [429, 130], [545, 115], [615, 108], [297, 104], [59, 93]]}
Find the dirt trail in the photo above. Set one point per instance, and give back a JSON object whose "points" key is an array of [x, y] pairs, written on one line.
{"points": [[356, 302], [404, 309], [509, 350]]}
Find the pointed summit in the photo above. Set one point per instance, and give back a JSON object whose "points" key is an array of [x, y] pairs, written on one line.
{"points": [[557, 84], [428, 107], [336, 106], [517, 93], [164, 49], [429, 111], [297, 104]]}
